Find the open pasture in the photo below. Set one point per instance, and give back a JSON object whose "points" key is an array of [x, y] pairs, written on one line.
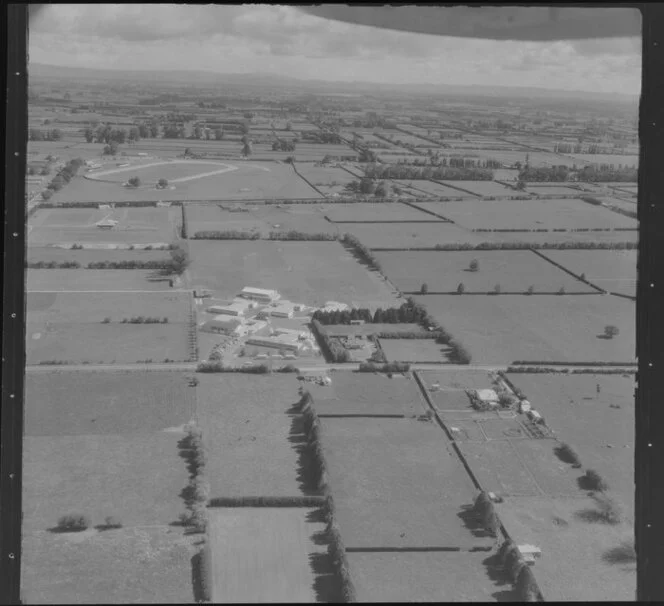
{"points": [[611, 159], [550, 189], [503, 328], [529, 214], [440, 577], [552, 237], [74, 225], [589, 421], [482, 188], [47, 254], [414, 350], [262, 555], [96, 280], [421, 187], [150, 173], [335, 330], [70, 327], [149, 564], [571, 544], [443, 271], [366, 212], [303, 272], [611, 270], [412, 235], [368, 394], [326, 178], [396, 484], [248, 434], [449, 380], [106, 403]]}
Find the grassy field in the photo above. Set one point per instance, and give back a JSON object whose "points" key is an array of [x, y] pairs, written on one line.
{"points": [[589, 421], [150, 175], [482, 188], [263, 555], [327, 179], [368, 394], [413, 235], [529, 214], [375, 212], [69, 327], [251, 180], [150, 564], [414, 350], [370, 329], [443, 271], [427, 577], [429, 187], [549, 189], [103, 403], [248, 434], [302, 272], [581, 238], [504, 328], [135, 225], [396, 484], [612, 270], [98, 280], [456, 379], [307, 218], [36, 254], [575, 564]]}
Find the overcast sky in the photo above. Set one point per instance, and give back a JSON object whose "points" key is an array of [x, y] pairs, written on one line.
{"points": [[283, 40]]}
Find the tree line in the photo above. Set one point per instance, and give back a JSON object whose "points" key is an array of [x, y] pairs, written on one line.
{"points": [[449, 173]]}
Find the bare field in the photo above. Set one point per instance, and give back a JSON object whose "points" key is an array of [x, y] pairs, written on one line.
{"points": [[303, 272], [149, 565], [97, 280], [396, 484], [443, 271], [503, 328], [262, 555], [104, 403]]}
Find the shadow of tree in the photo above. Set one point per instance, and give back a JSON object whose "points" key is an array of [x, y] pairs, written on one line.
{"points": [[594, 516], [197, 581], [60, 530], [326, 584], [500, 577], [307, 473], [473, 522], [623, 554]]}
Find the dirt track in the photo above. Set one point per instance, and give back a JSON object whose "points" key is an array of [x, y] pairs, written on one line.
{"points": [[227, 168]]}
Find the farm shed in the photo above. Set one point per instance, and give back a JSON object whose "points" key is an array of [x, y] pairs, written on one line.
{"points": [[224, 325], [260, 294]]}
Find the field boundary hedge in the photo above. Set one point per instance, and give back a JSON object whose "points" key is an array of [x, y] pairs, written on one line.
{"points": [[268, 501], [568, 271], [540, 362], [566, 371], [517, 246], [301, 176], [502, 292]]}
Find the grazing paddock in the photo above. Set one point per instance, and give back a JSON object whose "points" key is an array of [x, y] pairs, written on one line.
{"points": [[97, 280], [414, 350], [456, 379], [590, 422], [611, 270], [150, 173], [386, 211], [306, 218], [580, 238], [550, 190], [482, 188], [368, 394], [426, 577], [105, 403], [69, 327], [396, 484], [570, 545], [247, 432], [500, 329], [443, 271], [303, 272], [135, 225], [529, 214], [431, 188], [137, 478], [261, 555], [330, 178], [344, 330], [149, 565], [412, 235], [36, 254], [616, 160], [495, 464]]}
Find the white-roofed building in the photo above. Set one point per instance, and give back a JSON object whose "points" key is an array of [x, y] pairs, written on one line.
{"points": [[234, 309], [225, 325], [260, 294]]}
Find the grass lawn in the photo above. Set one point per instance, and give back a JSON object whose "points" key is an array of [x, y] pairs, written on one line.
{"points": [[249, 435], [427, 577], [574, 565], [387, 211], [74, 225], [412, 235], [263, 555], [443, 271], [303, 272], [529, 214], [414, 350], [612, 270], [149, 564], [396, 484], [137, 478], [103, 403], [60, 255], [97, 280], [588, 423], [369, 394], [504, 328]]}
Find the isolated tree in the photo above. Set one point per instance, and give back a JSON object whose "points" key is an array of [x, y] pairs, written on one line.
{"points": [[134, 134], [474, 265], [57, 184], [244, 128], [111, 149], [247, 149], [366, 186], [561, 291], [424, 289], [611, 331], [461, 288], [594, 481], [218, 134], [55, 134], [74, 522], [526, 586], [381, 190], [143, 131], [531, 290], [89, 135], [162, 183], [154, 130], [134, 181], [582, 277], [46, 194], [497, 289]]}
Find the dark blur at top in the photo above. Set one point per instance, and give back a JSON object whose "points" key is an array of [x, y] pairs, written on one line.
{"points": [[492, 22]]}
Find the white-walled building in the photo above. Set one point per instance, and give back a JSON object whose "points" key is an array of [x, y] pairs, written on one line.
{"points": [[234, 309], [259, 294]]}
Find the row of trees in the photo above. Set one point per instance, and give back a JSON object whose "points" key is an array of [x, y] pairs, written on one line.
{"points": [[449, 173], [63, 177], [36, 134], [368, 187], [282, 145]]}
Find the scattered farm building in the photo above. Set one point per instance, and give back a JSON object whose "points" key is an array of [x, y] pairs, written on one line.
{"points": [[278, 342], [284, 309], [225, 326], [259, 294], [334, 306], [234, 309]]}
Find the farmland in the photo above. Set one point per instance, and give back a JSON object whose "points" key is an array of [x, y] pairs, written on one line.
{"points": [[48, 254], [412, 235], [98, 280], [302, 272], [397, 212], [443, 271], [414, 350], [569, 328]]}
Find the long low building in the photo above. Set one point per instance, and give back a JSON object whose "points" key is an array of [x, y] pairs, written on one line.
{"points": [[284, 342], [259, 294]]}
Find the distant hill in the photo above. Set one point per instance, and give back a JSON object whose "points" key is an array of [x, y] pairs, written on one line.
{"points": [[263, 79]]}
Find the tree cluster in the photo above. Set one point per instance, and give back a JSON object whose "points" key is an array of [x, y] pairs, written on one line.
{"points": [[449, 173], [36, 134], [282, 145]]}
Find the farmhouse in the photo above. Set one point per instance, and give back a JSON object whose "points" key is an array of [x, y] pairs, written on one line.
{"points": [[259, 294]]}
